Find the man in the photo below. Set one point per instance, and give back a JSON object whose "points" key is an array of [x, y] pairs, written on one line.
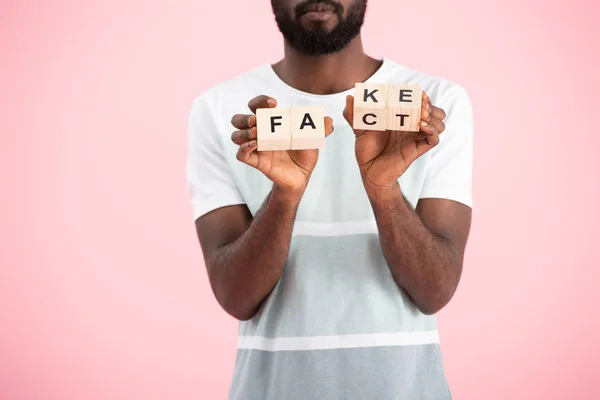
{"points": [[334, 260]]}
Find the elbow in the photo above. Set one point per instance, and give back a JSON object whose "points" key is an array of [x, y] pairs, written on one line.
{"points": [[231, 298], [439, 293], [233, 304], [239, 313], [436, 300], [431, 308]]}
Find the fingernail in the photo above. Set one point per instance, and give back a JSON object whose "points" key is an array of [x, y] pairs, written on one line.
{"points": [[424, 124], [271, 102], [252, 143]]}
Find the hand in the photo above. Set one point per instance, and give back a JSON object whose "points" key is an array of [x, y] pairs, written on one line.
{"points": [[384, 156], [290, 170]]}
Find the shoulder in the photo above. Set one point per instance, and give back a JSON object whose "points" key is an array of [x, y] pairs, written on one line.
{"points": [[211, 110], [445, 94]]}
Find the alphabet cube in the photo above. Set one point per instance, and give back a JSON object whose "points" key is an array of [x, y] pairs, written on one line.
{"points": [[273, 127], [308, 127], [370, 106], [404, 107], [293, 128], [380, 107]]}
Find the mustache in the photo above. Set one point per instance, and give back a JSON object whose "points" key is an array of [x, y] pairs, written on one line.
{"points": [[302, 6]]}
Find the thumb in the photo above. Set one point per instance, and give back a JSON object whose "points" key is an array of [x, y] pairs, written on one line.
{"points": [[349, 109], [349, 114], [328, 126]]}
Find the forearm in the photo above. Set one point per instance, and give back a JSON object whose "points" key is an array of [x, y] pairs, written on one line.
{"points": [[423, 264], [245, 271]]}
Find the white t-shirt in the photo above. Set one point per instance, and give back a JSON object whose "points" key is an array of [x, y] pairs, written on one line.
{"points": [[336, 325]]}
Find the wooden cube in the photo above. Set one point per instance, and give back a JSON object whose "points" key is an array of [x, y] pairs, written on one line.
{"points": [[370, 95], [371, 119], [370, 101], [308, 127], [274, 130], [404, 107]]}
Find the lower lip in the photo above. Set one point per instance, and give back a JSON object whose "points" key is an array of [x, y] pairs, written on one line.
{"points": [[318, 15]]}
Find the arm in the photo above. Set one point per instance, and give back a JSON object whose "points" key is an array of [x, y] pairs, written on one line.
{"points": [[424, 249], [245, 256]]}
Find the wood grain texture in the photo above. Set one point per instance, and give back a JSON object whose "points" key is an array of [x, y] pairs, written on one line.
{"points": [[370, 95], [273, 127], [403, 119], [404, 107], [369, 106], [308, 127], [369, 118]]}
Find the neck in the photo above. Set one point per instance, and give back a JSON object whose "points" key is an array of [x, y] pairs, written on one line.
{"points": [[326, 74]]}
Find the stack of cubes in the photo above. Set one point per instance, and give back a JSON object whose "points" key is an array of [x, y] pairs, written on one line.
{"points": [[377, 107], [292, 128], [392, 107]]}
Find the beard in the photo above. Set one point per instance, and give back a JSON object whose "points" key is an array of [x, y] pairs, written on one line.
{"points": [[320, 41]]}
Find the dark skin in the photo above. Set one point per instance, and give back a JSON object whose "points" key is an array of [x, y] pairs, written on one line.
{"points": [[424, 248]]}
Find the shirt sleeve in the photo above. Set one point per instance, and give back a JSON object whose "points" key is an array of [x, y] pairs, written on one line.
{"points": [[209, 180], [450, 170]]}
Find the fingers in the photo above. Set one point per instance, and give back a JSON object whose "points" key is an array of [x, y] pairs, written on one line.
{"points": [[247, 121], [426, 107], [434, 127], [432, 117], [242, 136], [437, 113], [349, 109], [431, 139], [243, 121], [428, 110], [349, 114], [431, 131], [247, 154], [328, 126], [261, 101]]}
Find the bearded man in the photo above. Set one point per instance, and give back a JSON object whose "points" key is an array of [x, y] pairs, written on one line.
{"points": [[333, 260]]}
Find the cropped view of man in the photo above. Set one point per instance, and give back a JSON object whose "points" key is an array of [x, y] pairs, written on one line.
{"points": [[334, 260]]}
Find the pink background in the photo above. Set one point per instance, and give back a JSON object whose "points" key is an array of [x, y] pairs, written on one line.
{"points": [[103, 292]]}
